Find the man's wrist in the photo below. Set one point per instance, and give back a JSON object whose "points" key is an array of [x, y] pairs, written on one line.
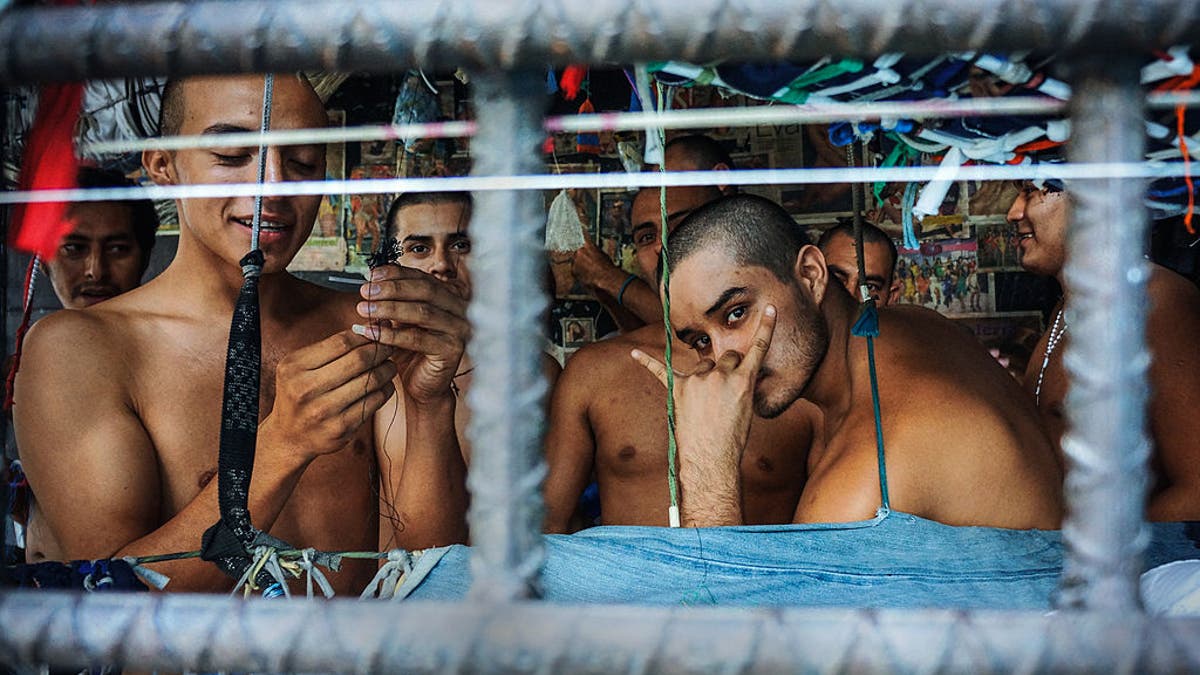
{"points": [[287, 453], [625, 287], [432, 406]]}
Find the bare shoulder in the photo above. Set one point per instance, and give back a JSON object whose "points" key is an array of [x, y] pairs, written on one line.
{"points": [[599, 358], [77, 342], [1172, 294]]}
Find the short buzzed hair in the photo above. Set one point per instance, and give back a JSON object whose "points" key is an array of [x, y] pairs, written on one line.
{"points": [[407, 199], [754, 230], [871, 235], [702, 151], [170, 110]]}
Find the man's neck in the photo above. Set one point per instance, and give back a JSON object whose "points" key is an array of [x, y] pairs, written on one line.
{"points": [[831, 387]]}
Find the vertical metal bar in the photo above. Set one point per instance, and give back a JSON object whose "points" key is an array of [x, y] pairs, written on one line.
{"points": [[1106, 357], [506, 396]]}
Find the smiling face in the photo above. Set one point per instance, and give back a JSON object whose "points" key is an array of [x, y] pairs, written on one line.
{"points": [[99, 258], [716, 305], [433, 238], [646, 218], [1041, 218], [216, 105]]}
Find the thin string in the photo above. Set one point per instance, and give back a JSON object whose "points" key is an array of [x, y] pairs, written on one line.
{"points": [[867, 326], [264, 127], [1187, 171], [31, 273], [672, 448]]}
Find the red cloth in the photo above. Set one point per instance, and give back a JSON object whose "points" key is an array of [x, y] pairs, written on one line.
{"points": [[49, 163], [572, 80]]}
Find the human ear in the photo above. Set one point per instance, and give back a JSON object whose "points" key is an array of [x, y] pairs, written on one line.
{"points": [[811, 273], [159, 167], [723, 189]]}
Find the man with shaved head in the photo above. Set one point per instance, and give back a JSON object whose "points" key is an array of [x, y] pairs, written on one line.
{"points": [[118, 409], [837, 244], [769, 325], [631, 299], [609, 417]]}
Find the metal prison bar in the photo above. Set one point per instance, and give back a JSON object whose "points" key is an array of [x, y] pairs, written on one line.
{"points": [[265, 35], [498, 631]]}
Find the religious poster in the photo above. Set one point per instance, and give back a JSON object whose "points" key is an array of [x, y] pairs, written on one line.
{"points": [[614, 236]]}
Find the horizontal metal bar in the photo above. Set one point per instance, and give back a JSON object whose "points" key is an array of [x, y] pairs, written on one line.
{"points": [[179, 38], [211, 633], [698, 118], [814, 176]]}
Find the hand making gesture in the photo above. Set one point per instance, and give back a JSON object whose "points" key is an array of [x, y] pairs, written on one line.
{"points": [[713, 408]]}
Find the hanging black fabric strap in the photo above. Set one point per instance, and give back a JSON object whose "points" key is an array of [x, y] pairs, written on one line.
{"points": [[230, 542]]}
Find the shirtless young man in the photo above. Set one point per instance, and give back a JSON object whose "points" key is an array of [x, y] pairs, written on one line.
{"points": [[1041, 216], [431, 230], [105, 254], [118, 406], [879, 257], [772, 326], [609, 416], [634, 302]]}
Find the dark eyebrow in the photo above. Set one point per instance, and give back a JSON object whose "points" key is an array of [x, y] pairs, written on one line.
{"points": [[655, 223], [225, 128], [725, 297], [419, 238]]}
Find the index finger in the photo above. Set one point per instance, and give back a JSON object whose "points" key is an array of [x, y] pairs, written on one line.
{"points": [[762, 339], [332, 348], [656, 367], [414, 286]]}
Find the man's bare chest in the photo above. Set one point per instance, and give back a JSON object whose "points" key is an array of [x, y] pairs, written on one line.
{"points": [[177, 392]]}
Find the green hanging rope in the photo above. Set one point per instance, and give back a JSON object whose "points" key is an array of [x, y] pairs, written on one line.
{"points": [[672, 447]]}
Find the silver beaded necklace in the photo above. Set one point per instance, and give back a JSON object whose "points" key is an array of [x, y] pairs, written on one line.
{"points": [[1056, 336]]}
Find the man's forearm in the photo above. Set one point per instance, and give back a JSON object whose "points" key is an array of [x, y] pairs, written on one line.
{"points": [[635, 297], [710, 490], [642, 301], [270, 488], [430, 496]]}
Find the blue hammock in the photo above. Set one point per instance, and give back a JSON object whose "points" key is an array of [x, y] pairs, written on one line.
{"points": [[894, 560]]}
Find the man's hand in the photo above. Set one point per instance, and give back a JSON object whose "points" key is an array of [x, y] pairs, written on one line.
{"points": [[423, 318], [714, 405], [595, 269], [326, 391]]}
